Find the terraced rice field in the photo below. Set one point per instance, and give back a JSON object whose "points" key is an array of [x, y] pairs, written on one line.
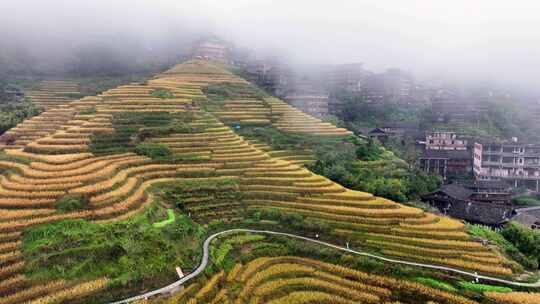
{"points": [[57, 145], [51, 93], [290, 279], [289, 119]]}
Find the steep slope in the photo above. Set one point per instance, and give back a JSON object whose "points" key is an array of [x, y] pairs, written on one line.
{"points": [[51, 93], [87, 150], [294, 279]]}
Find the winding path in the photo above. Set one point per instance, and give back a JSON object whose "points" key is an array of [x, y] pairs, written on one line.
{"points": [[206, 246]]}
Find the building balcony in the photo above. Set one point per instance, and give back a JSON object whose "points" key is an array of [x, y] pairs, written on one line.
{"points": [[510, 154], [513, 176]]}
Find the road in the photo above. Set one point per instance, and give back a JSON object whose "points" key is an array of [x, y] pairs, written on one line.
{"points": [[206, 249]]}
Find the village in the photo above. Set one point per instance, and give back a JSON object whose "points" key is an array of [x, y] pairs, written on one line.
{"points": [[482, 175]]}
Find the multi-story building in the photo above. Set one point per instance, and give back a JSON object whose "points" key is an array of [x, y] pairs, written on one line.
{"points": [[534, 114], [398, 83], [516, 163], [444, 141], [279, 79], [314, 104], [211, 49], [273, 74], [446, 155], [453, 107], [450, 164], [348, 78], [345, 79], [393, 84], [241, 57], [448, 107]]}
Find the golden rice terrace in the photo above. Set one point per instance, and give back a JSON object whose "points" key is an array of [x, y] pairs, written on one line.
{"points": [[115, 151]]}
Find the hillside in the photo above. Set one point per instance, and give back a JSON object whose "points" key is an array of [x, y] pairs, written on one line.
{"points": [[88, 179]]}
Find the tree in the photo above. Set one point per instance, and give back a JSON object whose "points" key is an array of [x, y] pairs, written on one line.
{"points": [[526, 240], [391, 188], [419, 183], [369, 151]]}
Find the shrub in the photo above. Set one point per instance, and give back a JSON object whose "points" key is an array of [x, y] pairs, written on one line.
{"points": [[89, 111], [391, 188], [160, 131], [436, 284], [162, 93], [126, 126], [223, 91], [526, 201], [14, 158], [126, 251], [369, 151], [526, 240], [154, 151], [508, 247], [482, 287], [170, 219], [13, 113], [72, 203]]}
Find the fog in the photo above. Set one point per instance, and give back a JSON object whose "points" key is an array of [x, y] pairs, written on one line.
{"points": [[480, 40]]}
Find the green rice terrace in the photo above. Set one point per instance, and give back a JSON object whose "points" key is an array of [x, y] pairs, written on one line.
{"points": [[102, 197]]}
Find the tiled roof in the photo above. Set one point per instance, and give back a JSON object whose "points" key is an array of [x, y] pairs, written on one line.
{"points": [[456, 191]]}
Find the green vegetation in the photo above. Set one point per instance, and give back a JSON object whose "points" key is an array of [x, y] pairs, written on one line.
{"points": [[12, 113], [24, 83], [244, 247], [162, 153], [204, 200], [515, 240], [90, 86], [352, 162], [358, 113], [133, 128], [71, 203], [173, 127], [502, 119], [220, 254], [526, 201], [162, 93], [436, 284], [154, 151], [89, 111], [481, 288], [369, 167], [279, 140], [526, 240], [370, 151], [224, 91], [171, 217], [481, 130], [127, 126], [127, 252], [292, 222], [16, 159]]}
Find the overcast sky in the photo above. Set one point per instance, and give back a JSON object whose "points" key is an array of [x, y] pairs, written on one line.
{"points": [[473, 39]]}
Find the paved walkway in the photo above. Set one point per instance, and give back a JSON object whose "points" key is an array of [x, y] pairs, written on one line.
{"points": [[206, 246]]}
